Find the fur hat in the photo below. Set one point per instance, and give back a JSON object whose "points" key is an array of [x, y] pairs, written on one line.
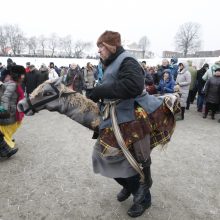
{"points": [[17, 71], [111, 40]]}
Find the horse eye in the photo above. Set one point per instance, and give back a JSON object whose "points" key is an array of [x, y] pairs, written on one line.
{"points": [[47, 93]]}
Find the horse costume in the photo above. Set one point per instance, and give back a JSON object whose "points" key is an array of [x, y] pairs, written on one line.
{"points": [[53, 95]]}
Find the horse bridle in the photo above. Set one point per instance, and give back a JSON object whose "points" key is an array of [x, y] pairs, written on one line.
{"points": [[34, 106]]}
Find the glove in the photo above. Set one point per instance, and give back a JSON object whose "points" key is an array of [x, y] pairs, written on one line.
{"points": [[93, 96]]}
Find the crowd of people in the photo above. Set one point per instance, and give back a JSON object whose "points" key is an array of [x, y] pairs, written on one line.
{"points": [[202, 85], [117, 76]]}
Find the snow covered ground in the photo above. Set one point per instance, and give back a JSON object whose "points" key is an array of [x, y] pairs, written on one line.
{"points": [[198, 62]]}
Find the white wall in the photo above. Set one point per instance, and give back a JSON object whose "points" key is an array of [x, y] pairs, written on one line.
{"points": [[198, 62]]}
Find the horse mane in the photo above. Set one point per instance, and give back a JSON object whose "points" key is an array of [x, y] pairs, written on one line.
{"points": [[77, 99], [74, 98], [39, 89]]}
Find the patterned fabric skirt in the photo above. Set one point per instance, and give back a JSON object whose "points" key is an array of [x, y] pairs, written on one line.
{"points": [[160, 125]]}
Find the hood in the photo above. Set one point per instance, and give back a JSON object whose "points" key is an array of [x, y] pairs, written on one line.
{"points": [[186, 67]]}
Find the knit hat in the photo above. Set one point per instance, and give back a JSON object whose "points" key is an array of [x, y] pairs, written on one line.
{"points": [[111, 40]]}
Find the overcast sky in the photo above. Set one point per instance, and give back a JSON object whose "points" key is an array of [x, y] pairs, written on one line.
{"points": [[87, 19]]}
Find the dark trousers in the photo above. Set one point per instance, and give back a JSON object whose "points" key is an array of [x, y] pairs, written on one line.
{"points": [[131, 183], [200, 101], [190, 98]]}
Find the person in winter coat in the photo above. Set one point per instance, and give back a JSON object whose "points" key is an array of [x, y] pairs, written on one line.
{"points": [[183, 81], [2, 69], [212, 94], [165, 65], [123, 79], [89, 78], [210, 72], [192, 92], [31, 80], [200, 83], [43, 74], [74, 78], [174, 67], [100, 68], [10, 118], [166, 84]]}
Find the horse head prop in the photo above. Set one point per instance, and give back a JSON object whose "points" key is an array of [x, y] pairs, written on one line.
{"points": [[53, 95]]}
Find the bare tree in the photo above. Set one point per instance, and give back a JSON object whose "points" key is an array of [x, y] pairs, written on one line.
{"points": [[32, 44], [80, 47], [144, 44], [15, 38], [66, 45], [3, 40], [187, 38], [53, 43], [42, 40]]}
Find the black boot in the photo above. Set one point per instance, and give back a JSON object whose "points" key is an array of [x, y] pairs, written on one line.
{"points": [[182, 112], [138, 208], [143, 189], [6, 151], [142, 197], [123, 195]]}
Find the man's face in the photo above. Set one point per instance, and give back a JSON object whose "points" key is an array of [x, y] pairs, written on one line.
{"points": [[73, 66], [165, 63], [103, 52]]}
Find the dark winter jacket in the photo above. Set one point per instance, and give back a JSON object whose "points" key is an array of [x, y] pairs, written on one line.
{"points": [[31, 81], [199, 81], [124, 79], [212, 90], [130, 82], [149, 79], [43, 76], [2, 69]]}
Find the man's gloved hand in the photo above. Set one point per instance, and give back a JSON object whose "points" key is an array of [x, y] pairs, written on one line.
{"points": [[93, 97]]}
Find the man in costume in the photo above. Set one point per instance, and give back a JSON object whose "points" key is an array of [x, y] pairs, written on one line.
{"points": [[124, 80]]}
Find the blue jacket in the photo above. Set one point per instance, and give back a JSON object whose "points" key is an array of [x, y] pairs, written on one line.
{"points": [[166, 86]]}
